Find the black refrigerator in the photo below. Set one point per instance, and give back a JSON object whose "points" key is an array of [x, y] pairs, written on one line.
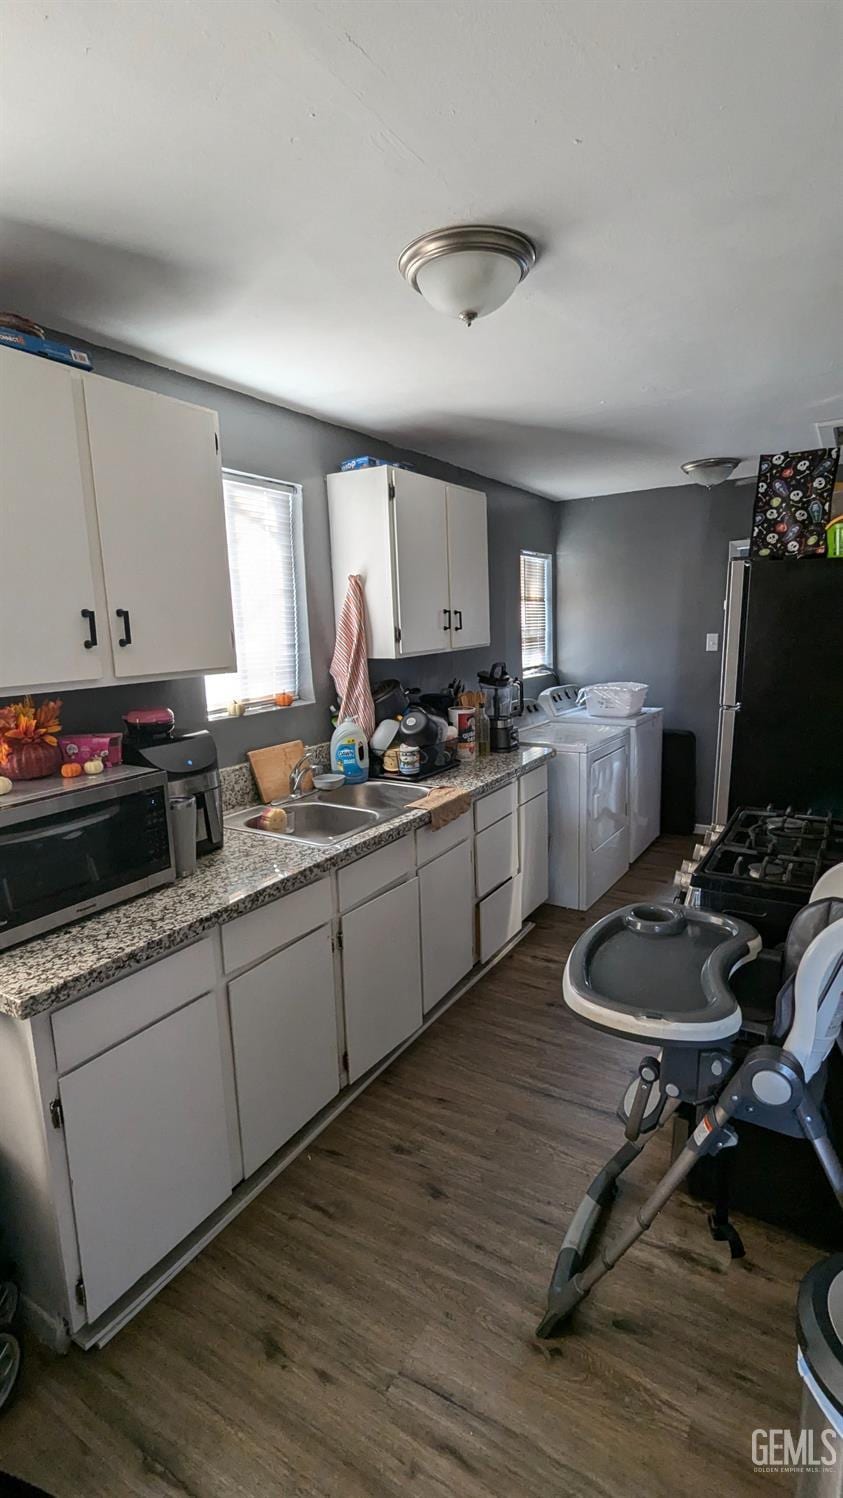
{"points": [[780, 736]]}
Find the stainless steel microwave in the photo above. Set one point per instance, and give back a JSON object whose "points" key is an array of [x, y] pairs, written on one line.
{"points": [[69, 848]]}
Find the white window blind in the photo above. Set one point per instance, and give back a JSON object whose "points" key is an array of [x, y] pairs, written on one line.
{"points": [[536, 615], [261, 518]]}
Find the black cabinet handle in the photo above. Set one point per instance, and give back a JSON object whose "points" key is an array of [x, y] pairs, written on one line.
{"points": [[458, 615], [92, 628], [126, 638], [447, 613]]}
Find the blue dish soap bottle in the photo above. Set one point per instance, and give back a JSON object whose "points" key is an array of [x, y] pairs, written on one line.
{"points": [[350, 752]]}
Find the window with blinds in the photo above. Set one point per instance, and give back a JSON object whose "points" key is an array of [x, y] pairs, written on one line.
{"points": [[261, 518], [536, 611]]}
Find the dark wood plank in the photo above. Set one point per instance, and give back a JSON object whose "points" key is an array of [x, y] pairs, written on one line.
{"points": [[364, 1330]]}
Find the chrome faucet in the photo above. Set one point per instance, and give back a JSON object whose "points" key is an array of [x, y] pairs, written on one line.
{"points": [[298, 772]]}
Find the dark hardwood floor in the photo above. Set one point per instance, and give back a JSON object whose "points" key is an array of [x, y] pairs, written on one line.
{"points": [[364, 1329]]}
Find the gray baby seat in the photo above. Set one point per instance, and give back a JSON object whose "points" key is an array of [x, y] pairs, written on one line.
{"points": [[670, 977]]}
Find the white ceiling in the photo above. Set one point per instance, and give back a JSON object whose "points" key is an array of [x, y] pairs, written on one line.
{"points": [[225, 186]]}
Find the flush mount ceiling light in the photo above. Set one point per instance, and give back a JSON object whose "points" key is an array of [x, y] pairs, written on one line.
{"points": [[711, 471], [468, 270]]}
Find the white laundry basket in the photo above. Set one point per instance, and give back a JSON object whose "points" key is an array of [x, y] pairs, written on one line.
{"points": [[613, 699]]}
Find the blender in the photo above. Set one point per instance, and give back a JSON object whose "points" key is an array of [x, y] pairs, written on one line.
{"points": [[503, 699]]}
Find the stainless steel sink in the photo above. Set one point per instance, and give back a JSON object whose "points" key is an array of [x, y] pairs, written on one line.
{"points": [[324, 818], [377, 795]]}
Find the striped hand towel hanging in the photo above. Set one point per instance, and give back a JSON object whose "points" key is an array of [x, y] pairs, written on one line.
{"points": [[350, 667]]}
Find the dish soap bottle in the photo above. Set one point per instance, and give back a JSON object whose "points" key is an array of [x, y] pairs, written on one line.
{"points": [[350, 751]]}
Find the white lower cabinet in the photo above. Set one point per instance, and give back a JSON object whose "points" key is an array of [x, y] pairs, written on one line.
{"points": [[159, 1093], [381, 966], [532, 834], [147, 1146], [447, 922], [284, 1034], [496, 854], [498, 918]]}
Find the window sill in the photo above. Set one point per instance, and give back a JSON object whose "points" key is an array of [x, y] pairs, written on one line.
{"points": [[258, 710]]}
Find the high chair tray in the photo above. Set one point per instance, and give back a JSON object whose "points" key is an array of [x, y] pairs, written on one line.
{"points": [[660, 973]]}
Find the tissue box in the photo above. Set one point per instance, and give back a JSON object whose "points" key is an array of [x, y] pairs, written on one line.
{"points": [[83, 746]]}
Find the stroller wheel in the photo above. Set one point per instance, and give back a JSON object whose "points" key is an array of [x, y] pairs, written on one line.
{"points": [[8, 1302], [10, 1364]]}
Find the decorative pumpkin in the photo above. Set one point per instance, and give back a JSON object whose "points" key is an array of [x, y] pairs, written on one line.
{"points": [[71, 770], [5, 785], [32, 760], [28, 744], [93, 767], [284, 699]]}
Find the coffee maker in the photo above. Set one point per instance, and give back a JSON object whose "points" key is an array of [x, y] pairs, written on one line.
{"points": [[190, 762], [503, 699]]}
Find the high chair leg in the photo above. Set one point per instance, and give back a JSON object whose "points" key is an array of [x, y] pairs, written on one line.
{"points": [[561, 1298], [711, 1133]]}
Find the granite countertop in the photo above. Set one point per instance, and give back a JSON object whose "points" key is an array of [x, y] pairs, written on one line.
{"points": [[248, 872]]}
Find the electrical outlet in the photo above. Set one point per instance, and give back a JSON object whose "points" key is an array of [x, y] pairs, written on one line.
{"points": [[712, 642]]}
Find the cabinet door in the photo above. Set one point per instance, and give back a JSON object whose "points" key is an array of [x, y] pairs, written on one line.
{"points": [[532, 820], [47, 571], [498, 918], [162, 526], [284, 1031], [495, 854], [446, 891], [468, 561], [381, 965], [420, 542], [147, 1145]]}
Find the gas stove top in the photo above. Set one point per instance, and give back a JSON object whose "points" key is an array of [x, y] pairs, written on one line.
{"points": [[765, 863], [784, 848]]}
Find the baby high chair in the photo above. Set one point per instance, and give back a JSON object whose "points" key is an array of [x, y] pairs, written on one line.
{"points": [[669, 976]]}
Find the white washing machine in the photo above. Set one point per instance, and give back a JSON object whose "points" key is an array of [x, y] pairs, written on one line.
{"points": [[587, 804], [645, 761]]}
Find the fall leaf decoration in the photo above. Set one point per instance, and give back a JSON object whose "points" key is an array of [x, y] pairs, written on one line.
{"points": [[24, 722]]}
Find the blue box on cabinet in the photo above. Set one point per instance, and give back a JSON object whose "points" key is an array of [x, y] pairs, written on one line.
{"points": [[351, 463], [29, 344]]}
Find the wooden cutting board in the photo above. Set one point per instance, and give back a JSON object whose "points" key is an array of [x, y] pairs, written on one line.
{"points": [[271, 768]]}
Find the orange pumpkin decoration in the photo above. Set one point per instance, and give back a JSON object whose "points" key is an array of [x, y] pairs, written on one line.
{"points": [[284, 699], [71, 770]]}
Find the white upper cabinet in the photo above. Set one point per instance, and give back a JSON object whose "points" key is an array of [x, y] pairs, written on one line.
{"points": [[421, 548], [161, 516], [468, 567], [48, 573], [112, 532]]}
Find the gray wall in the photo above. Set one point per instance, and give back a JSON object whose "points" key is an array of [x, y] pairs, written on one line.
{"points": [[640, 582], [259, 437]]}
